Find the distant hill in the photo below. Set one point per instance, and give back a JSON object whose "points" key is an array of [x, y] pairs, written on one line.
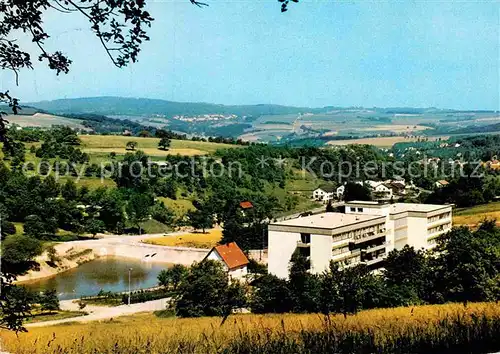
{"points": [[43, 120], [140, 107], [26, 110], [147, 107], [478, 129]]}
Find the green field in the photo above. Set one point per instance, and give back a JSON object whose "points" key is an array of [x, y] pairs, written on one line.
{"points": [[179, 206], [476, 214], [105, 144], [154, 227]]}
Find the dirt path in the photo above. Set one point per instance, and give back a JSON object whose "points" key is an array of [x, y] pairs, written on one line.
{"points": [[98, 313]]}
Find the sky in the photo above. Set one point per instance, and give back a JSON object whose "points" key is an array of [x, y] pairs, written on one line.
{"points": [[443, 54]]}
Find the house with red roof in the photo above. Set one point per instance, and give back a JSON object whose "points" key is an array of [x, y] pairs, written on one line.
{"points": [[233, 259], [442, 183], [246, 205]]}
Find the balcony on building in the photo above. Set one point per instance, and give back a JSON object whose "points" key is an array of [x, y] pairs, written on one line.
{"points": [[369, 236]]}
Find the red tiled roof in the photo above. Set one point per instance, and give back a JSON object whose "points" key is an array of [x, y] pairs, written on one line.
{"points": [[232, 255], [246, 205]]}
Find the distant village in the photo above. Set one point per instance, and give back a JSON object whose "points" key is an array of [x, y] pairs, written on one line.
{"points": [[205, 117]]}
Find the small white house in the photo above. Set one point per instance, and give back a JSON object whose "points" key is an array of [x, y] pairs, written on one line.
{"points": [[324, 194], [233, 259], [383, 190], [442, 183], [372, 184], [340, 192]]}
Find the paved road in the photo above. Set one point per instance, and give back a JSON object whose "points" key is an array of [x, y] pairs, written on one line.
{"points": [[97, 313]]}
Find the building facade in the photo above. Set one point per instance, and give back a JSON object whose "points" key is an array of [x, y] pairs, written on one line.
{"points": [[365, 233], [417, 225]]}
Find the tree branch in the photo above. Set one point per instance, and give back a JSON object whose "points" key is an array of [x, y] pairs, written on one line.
{"points": [[98, 32], [198, 3]]}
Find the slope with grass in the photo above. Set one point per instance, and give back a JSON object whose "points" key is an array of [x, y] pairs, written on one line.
{"points": [[424, 329], [42, 120], [105, 144], [179, 206], [54, 315], [474, 215]]}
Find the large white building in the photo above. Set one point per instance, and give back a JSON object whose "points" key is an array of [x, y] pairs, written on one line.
{"points": [[366, 233]]}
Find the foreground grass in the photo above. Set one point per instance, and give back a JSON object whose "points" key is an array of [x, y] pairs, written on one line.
{"points": [[476, 214], [196, 240], [424, 329]]}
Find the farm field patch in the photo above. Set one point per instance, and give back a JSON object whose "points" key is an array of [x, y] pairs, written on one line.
{"points": [[196, 239]]}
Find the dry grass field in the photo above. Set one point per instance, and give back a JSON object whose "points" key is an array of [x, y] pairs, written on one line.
{"points": [[397, 128], [114, 143], [148, 151], [385, 142], [475, 215], [145, 333], [196, 239]]}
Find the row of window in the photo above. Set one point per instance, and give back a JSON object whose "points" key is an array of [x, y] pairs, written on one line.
{"points": [[439, 228], [360, 233], [353, 210], [438, 217], [353, 260], [355, 234], [432, 242], [340, 250]]}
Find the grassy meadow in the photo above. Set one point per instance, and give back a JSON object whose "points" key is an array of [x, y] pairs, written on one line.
{"points": [[196, 239], [42, 120], [55, 315], [179, 206], [105, 144], [382, 142], [450, 328], [474, 215]]}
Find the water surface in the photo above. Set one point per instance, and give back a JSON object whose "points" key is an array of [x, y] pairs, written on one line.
{"points": [[108, 274]]}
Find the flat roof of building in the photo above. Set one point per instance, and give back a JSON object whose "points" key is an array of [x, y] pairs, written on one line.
{"points": [[401, 207], [365, 202], [328, 220]]}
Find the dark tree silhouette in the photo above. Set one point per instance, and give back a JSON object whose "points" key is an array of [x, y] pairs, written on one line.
{"points": [[119, 26]]}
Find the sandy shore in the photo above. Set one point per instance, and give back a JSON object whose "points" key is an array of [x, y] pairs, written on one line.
{"points": [[74, 253], [70, 256]]}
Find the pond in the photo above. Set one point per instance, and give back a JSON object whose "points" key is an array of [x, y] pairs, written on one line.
{"points": [[108, 274]]}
